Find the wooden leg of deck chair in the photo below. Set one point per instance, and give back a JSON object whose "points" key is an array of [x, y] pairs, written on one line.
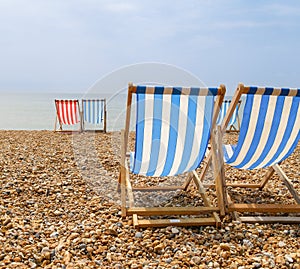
{"points": [[187, 182], [123, 175], [217, 158], [234, 213], [207, 163], [287, 182], [206, 200], [266, 178], [123, 197], [55, 124]]}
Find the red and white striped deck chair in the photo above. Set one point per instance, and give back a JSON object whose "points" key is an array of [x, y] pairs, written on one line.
{"points": [[67, 113]]}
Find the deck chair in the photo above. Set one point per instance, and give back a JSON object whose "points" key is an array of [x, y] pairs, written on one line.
{"points": [[235, 120], [94, 113], [67, 113], [269, 134], [173, 128]]}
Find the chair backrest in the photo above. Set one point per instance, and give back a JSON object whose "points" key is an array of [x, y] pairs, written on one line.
{"points": [[67, 111], [270, 127], [173, 127], [93, 110], [223, 111]]}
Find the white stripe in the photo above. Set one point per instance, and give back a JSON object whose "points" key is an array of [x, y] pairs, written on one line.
{"points": [[66, 114], [251, 130], [265, 132], [229, 150], [182, 123], [149, 100], [198, 131], [165, 130]]}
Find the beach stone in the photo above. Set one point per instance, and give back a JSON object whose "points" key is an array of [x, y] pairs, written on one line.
{"points": [[288, 258], [138, 235], [174, 230], [225, 247], [279, 260], [89, 231], [196, 260]]}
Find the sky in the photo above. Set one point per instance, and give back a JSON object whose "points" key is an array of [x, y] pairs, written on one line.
{"points": [[71, 45]]}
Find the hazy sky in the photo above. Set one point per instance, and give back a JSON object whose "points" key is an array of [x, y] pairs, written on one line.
{"points": [[67, 45]]}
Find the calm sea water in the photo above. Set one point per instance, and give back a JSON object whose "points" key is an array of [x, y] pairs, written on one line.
{"points": [[36, 111]]}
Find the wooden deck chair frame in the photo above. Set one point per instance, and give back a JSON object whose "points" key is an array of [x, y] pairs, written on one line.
{"points": [[126, 188], [269, 210], [104, 116], [58, 126]]}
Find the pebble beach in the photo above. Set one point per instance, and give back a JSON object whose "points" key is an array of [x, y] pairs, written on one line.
{"points": [[59, 208]]}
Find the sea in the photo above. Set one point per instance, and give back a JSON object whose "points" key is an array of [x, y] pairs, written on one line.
{"points": [[36, 110]]}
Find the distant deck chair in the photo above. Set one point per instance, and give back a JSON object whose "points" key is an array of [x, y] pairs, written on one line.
{"points": [[269, 134], [94, 113], [234, 123], [173, 128], [67, 113]]}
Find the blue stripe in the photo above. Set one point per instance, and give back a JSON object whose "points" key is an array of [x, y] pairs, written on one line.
{"points": [[159, 90], [140, 126], [252, 90], [268, 91], [141, 90], [189, 135], [156, 132], [244, 126], [173, 134], [213, 91]]}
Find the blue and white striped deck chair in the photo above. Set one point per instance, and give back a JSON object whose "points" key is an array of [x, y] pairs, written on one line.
{"points": [[94, 114], [234, 123], [270, 132], [173, 128]]}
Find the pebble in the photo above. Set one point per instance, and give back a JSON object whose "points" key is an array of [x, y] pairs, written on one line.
{"points": [[53, 214], [174, 230], [138, 235], [288, 258]]}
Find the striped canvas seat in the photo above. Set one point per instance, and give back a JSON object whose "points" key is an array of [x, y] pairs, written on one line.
{"points": [[269, 133], [94, 111], [235, 116], [173, 128], [67, 112]]}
